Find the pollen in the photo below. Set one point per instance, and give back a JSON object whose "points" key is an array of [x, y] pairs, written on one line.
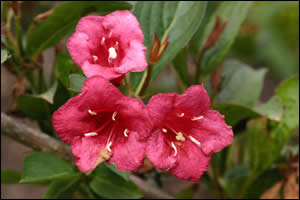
{"points": [[175, 149], [126, 132], [112, 53], [92, 112], [95, 58], [195, 141], [180, 114], [114, 116], [180, 137], [197, 118], [90, 134]]}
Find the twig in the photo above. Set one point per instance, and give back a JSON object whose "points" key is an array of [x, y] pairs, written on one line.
{"points": [[31, 137]]}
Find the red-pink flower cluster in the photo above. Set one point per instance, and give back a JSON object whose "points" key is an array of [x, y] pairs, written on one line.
{"points": [[175, 132]]}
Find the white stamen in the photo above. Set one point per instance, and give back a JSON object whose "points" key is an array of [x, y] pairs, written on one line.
{"points": [[95, 58], [197, 118], [125, 132], [112, 53], [90, 134], [108, 146], [103, 40], [114, 116], [174, 147], [180, 115], [164, 130], [92, 112], [195, 141], [110, 33]]}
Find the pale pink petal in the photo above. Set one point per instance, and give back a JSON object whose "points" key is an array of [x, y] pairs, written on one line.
{"points": [[159, 152], [95, 69], [78, 48], [135, 58]]}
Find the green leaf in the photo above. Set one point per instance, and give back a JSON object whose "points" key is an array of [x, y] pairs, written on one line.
{"points": [[233, 13], [178, 19], [10, 177], [65, 66], [241, 85], [76, 82], [237, 172], [108, 184], [44, 166], [180, 66], [123, 174], [35, 107], [4, 55], [61, 95], [288, 92], [63, 21], [263, 150], [272, 108], [62, 189], [234, 113]]}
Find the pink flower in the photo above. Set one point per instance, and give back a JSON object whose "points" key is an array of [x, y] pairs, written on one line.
{"points": [[186, 132], [102, 124], [109, 46]]}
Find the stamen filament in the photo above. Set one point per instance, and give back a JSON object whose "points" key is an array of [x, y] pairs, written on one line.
{"points": [[197, 118], [90, 134], [164, 130], [92, 112], [174, 147], [195, 141], [108, 146], [114, 116], [125, 132]]}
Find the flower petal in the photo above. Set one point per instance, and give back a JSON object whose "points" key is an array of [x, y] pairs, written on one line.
{"points": [[134, 116], [128, 155], [159, 106], [87, 150], [72, 119], [79, 41], [159, 152], [194, 100], [135, 58], [213, 132], [96, 69], [124, 25], [192, 162]]}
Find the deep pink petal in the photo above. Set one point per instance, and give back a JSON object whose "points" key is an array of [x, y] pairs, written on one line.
{"points": [[134, 116], [159, 106], [95, 69], [128, 155], [194, 100], [72, 119], [159, 152], [124, 25], [87, 150], [191, 163], [78, 48], [213, 133]]}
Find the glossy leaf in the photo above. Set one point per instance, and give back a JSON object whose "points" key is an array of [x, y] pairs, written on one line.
{"points": [[234, 113], [34, 107], [288, 92], [63, 21], [108, 184], [179, 20], [44, 166], [233, 13], [10, 177], [123, 174], [62, 189], [241, 85], [272, 108], [180, 66], [76, 81], [263, 150]]}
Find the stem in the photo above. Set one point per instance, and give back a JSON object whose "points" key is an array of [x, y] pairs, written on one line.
{"points": [[215, 176], [34, 138], [19, 35], [127, 85], [146, 82]]}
